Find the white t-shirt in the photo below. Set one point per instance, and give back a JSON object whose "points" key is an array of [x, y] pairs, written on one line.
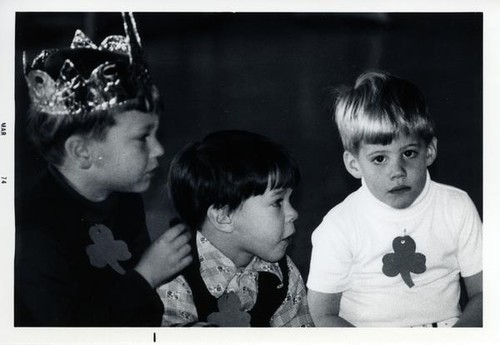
{"points": [[350, 244]]}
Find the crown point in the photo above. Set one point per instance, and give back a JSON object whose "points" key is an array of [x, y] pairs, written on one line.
{"points": [[116, 43], [80, 40]]}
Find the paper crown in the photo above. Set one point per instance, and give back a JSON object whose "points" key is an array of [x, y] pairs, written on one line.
{"points": [[117, 74]]}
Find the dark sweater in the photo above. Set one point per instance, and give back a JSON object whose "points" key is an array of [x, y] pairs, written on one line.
{"points": [[63, 277]]}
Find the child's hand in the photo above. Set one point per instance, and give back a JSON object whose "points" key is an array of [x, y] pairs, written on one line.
{"points": [[166, 256]]}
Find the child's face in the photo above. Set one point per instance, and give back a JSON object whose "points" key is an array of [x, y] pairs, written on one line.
{"points": [[264, 225], [394, 173], [126, 159]]}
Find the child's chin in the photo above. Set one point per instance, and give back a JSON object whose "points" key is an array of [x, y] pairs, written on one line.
{"points": [[276, 256], [402, 204], [138, 188]]}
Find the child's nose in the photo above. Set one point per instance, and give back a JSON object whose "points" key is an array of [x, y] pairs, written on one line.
{"points": [[292, 214], [398, 169], [156, 148]]}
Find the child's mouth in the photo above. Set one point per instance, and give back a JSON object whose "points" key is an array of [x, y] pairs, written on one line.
{"points": [[287, 240], [400, 189], [151, 171]]}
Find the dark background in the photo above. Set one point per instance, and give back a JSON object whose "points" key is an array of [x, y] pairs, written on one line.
{"points": [[272, 73]]}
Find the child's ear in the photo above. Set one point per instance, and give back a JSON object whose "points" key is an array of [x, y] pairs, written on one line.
{"points": [[431, 153], [352, 165], [220, 218], [77, 151]]}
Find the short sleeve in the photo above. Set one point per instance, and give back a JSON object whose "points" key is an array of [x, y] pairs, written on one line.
{"points": [[470, 240], [332, 255]]}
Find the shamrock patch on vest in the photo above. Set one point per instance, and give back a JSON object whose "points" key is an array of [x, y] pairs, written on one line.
{"points": [[106, 250], [404, 260], [229, 314]]}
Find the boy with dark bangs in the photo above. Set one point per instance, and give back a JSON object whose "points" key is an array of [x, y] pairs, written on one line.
{"points": [[233, 189], [391, 254]]}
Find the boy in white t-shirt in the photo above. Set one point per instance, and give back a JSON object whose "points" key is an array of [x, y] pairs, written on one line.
{"points": [[392, 253]]}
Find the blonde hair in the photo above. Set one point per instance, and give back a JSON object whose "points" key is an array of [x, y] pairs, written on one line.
{"points": [[379, 108]]}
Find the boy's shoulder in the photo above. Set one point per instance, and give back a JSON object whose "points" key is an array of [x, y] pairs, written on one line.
{"points": [[448, 189], [349, 206], [454, 199], [450, 194], [50, 201]]}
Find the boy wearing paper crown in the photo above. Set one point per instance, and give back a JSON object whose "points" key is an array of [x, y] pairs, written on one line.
{"points": [[83, 254]]}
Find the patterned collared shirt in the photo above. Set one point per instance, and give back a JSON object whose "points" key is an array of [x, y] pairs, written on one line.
{"points": [[220, 275]]}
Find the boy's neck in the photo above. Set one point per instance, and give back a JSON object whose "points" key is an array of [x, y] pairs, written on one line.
{"points": [[225, 242], [88, 189]]}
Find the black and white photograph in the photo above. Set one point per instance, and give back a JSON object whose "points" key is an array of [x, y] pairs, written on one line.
{"points": [[218, 169]]}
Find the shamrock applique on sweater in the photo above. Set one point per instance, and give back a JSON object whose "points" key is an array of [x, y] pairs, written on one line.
{"points": [[106, 250]]}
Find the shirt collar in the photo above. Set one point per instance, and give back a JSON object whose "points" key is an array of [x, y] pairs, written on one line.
{"points": [[218, 271], [90, 209], [383, 210]]}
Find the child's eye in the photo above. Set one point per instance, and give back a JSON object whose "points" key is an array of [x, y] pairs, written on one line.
{"points": [[144, 138], [410, 154], [278, 203], [378, 159]]}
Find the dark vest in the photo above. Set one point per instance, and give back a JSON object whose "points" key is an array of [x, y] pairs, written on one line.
{"points": [[271, 293]]}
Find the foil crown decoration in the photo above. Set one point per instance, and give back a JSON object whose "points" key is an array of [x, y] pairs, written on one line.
{"points": [[110, 84]]}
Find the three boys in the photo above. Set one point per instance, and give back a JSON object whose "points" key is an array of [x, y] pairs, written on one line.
{"points": [[398, 263]]}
